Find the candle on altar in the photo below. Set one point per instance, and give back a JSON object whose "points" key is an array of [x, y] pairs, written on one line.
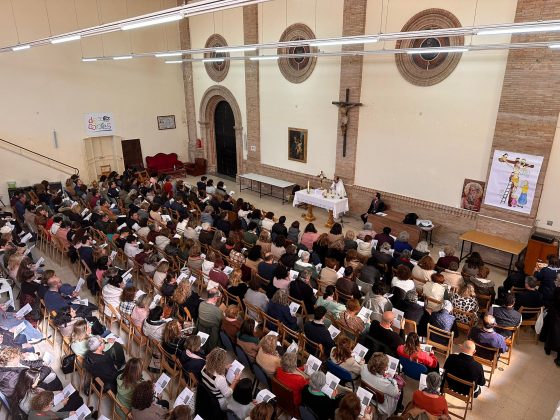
{"points": [[307, 186]]}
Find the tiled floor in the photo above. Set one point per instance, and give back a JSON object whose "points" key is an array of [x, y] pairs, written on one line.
{"points": [[527, 389]]}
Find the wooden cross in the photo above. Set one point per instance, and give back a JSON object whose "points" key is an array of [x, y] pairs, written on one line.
{"points": [[344, 107]]}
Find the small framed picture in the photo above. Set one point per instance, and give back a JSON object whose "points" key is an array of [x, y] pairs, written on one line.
{"points": [[297, 144], [166, 122]]}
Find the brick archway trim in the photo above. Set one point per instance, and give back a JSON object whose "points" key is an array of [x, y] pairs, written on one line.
{"points": [[210, 99]]}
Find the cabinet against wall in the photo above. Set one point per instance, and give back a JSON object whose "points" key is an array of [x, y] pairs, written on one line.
{"points": [[103, 154], [537, 250]]}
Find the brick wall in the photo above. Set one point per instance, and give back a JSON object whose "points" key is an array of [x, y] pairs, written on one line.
{"points": [[252, 90]]}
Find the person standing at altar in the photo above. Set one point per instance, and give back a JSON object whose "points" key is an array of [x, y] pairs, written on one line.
{"points": [[337, 187], [376, 206]]}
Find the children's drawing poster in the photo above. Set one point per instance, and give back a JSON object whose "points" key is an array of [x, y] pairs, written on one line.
{"points": [[512, 182], [98, 123]]}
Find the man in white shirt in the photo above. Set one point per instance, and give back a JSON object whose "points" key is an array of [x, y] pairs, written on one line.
{"points": [[338, 187]]}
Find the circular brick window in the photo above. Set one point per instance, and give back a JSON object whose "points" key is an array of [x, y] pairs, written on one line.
{"points": [[217, 70], [430, 68], [297, 69]]}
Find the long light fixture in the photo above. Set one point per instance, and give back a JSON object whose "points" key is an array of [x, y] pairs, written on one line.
{"points": [[65, 39], [212, 60], [436, 50], [235, 49], [521, 29], [168, 54], [123, 57], [343, 41], [89, 60], [264, 57], [174, 62], [142, 24], [21, 47], [554, 46]]}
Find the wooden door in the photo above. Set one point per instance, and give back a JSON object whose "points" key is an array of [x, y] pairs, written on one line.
{"points": [[226, 152], [132, 153]]}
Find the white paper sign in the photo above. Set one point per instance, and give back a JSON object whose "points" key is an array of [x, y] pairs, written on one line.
{"points": [[234, 369], [330, 384], [24, 311], [101, 123], [161, 383], [184, 397], [292, 347]]}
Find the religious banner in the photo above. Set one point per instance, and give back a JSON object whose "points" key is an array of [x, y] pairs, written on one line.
{"points": [[472, 194], [100, 123], [512, 182]]}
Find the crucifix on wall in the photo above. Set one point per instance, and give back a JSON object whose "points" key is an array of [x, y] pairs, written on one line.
{"points": [[343, 108]]}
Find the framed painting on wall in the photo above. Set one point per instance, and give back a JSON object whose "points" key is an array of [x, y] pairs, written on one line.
{"points": [[472, 194], [297, 144], [166, 122]]}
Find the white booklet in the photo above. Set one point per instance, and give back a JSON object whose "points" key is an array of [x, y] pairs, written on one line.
{"points": [[182, 277], [233, 370], [66, 392], [228, 270], [422, 382], [24, 311], [203, 337], [26, 238], [330, 384], [293, 275], [399, 316], [426, 347], [333, 331], [78, 287], [81, 413], [365, 398], [39, 262], [393, 365], [359, 352], [365, 314], [113, 336], [264, 395], [292, 347], [17, 329], [294, 307], [161, 383], [312, 365], [184, 397], [441, 254]]}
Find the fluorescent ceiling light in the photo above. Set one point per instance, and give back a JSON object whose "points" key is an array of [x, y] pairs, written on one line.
{"points": [[65, 39], [234, 49], [21, 47], [519, 30], [173, 61], [436, 50], [169, 54], [123, 57], [264, 57], [89, 60], [150, 22], [554, 46], [212, 60], [342, 42]]}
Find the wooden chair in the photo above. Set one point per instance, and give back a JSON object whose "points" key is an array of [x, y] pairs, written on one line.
{"points": [[484, 302], [316, 348], [341, 297], [119, 411], [466, 398], [284, 398], [302, 311], [409, 326], [251, 311], [437, 337], [530, 316], [378, 395], [464, 327], [230, 299], [97, 387], [167, 364], [487, 356], [269, 320], [510, 341]]}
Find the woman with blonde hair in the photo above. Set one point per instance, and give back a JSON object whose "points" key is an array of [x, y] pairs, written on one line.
{"points": [[141, 310], [267, 356], [217, 241], [341, 354], [128, 379], [185, 299], [466, 301], [214, 376], [265, 242], [350, 240], [161, 273], [173, 341], [279, 309], [14, 262], [236, 286], [195, 259], [375, 375]]}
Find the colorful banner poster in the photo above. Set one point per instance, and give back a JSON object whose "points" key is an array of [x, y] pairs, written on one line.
{"points": [[99, 123], [512, 182]]}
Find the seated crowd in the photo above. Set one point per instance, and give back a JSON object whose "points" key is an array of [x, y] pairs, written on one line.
{"points": [[185, 279]]}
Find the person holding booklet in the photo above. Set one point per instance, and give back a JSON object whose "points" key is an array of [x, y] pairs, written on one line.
{"points": [[429, 399], [314, 398], [412, 350], [267, 356], [317, 332], [42, 408], [383, 332], [375, 375], [291, 376], [145, 405], [342, 356], [214, 376]]}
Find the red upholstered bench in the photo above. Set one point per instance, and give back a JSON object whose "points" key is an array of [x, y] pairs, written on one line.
{"points": [[164, 163]]}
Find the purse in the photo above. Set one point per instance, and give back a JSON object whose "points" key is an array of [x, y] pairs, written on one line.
{"points": [[67, 365]]}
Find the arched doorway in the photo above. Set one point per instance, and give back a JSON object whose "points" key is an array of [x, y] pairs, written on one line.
{"points": [[224, 131]]}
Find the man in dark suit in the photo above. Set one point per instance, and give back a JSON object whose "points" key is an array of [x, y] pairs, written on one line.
{"points": [[317, 332], [267, 267], [464, 366], [383, 332], [376, 206], [505, 315], [530, 298], [301, 290]]}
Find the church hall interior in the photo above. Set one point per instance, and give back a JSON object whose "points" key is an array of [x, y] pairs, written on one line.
{"points": [[278, 209]]}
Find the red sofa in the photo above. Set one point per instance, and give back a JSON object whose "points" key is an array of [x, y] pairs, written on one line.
{"points": [[163, 162]]}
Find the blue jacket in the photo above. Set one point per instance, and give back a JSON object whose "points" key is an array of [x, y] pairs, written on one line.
{"points": [[282, 314]]}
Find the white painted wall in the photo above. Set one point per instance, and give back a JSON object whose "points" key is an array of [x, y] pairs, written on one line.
{"points": [[49, 88], [228, 24], [423, 142], [305, 105], [549, 206]]}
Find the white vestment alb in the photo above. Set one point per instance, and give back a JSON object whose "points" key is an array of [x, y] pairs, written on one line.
{"points": [[338, 188]]}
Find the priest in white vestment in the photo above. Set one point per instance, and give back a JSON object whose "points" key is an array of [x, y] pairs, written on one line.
{"points": [[338, 187]]}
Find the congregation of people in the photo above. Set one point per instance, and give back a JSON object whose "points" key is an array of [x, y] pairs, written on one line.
{"points": [[185, 279]]}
